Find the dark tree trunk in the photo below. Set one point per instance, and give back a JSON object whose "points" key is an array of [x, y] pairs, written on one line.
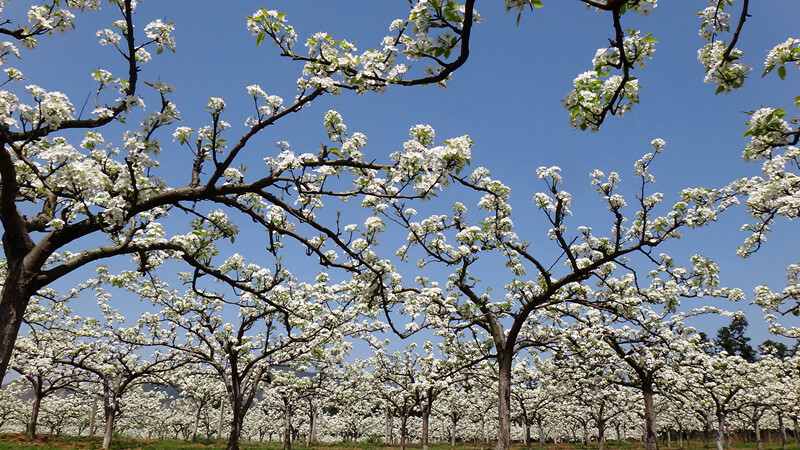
{"points": [[108, 429], [504, 399], [14, 298], [426, 415], [528, 439], [757, 431], [312, 423], [389, 425], [93, 417], [287, 423], [651, 433], [454, 423], [719, 437], [403, 430], [236, 424], [782, 430], [796, 434], [601, 434], [30, 430]]}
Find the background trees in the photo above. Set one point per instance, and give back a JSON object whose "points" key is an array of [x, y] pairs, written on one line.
{"points": [[69, 191], [69, 199]]}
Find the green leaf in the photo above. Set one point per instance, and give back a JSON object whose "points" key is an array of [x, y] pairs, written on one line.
{"points": [[519, 14], [782, 72], [260, 38], [537, 3]]}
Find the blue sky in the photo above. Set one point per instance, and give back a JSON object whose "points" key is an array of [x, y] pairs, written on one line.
{"points": [[507, 98]]}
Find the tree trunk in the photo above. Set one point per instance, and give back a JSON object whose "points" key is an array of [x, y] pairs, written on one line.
{"points": [[14, 298], [312, 424], [426, 415], [221, 417], [757, 431], [196, 424], [782, 430], [527, 433], [403, 433], [504, 399], [287, 423], [30, 430], [708, 428], [796, 434], [108, 430], [93, 417], [719, 437], [389, 425], [454, 422], [585, 434], [619, 437], [601, 434], [236, 425], [540, 429], [651, 433]]}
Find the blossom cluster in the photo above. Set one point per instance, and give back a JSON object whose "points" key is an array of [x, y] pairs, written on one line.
{"points": [[725, 71]]}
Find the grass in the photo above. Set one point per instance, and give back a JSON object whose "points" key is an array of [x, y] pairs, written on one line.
{"points": [[45, 442]]}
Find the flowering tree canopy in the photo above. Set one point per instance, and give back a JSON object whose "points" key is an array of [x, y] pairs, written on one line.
{"points": [[59, 189], [208, 204]]}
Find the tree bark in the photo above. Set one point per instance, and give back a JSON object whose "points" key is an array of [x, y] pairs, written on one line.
{"points": [[796, 434], [454, 422], [14, 299], [757, 432], [108, 430], [287, 423], [221, 417], [585, 427], [389, 425], [528, 433], [504, 399], [30, 430], [236, 423], [719, 437], [651, 433], [312, 423], [196, 424], [601, 434], [426, 415], [782, 430], [403, 431], [93, 417]]}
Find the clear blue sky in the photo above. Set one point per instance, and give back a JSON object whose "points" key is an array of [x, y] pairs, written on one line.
{"points": [[507, 98]]}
